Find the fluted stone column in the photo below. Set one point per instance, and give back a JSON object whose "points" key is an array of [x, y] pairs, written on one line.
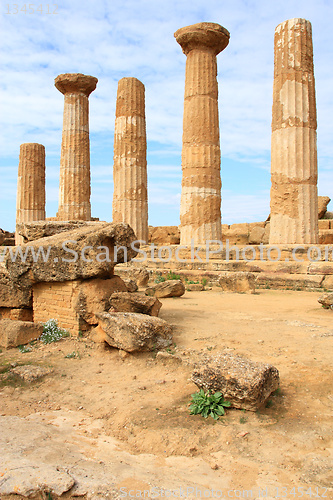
{"points": [[74, 187], [200, 208], [30, 201], [130, 202], [294, 204]]}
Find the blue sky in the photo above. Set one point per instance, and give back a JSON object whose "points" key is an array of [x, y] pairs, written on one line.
{"points": [[117, 38]]}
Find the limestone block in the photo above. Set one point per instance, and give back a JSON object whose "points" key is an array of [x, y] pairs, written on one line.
{"points": [[14, 294], [135, 302], [164, 235], [130, 285], [328, 283], [169, 288], [94, 296], [135, 332], [239, 282], [323, 201], [93, 247], [326, 300], [41, 229], [256, 235], [14, 333], [326, 237], [245, 383]]}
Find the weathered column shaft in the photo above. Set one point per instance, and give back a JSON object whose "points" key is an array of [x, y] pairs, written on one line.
{"points": [[200, 209], [294, 204], [30, 201], [74, 186], [130, 200]]}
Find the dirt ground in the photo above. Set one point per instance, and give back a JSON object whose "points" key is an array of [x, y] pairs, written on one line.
{"points": [[128, 416]]}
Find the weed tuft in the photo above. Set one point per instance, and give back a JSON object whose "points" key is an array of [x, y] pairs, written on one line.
{"points": [[208, 404]]}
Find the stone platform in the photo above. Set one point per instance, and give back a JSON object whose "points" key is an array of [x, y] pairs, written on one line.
{"points": [[277, 267]]}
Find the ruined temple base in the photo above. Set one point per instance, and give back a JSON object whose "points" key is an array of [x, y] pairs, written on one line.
{"points": [[276, 267]]}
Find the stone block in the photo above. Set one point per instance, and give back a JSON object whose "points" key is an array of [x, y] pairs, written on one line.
{"points": [[169, 288], [135, 302], [239, 282], [245, 383], [14, 333]]}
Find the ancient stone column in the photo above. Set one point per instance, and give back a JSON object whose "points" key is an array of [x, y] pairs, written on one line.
{"points": [[30, 201], [294, 212], [74, 188], [200, 208], [130, 202]]}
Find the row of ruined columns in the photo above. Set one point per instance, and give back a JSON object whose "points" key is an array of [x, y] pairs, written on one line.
{"points": [[294, 214]]}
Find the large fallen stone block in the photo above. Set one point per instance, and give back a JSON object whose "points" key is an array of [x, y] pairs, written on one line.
{"points": [[170, 288], [135, 302], [240, 282], [14, 333], [14, 294], [246, 384], [87, 252], [135, 332], [326, 300], [32, 231], [131, 285]]}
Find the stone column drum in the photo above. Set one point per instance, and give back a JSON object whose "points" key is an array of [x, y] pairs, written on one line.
{"points": [[30, 201], [130, 201], [74, 187], [200, 208], [294, 204]]}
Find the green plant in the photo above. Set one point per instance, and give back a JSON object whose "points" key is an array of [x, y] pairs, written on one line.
{"points": [[73, 354], [52, 333], [159, 279], [173, 276], [242, 420], [24, 348], [269, 403], [204, 281], [208, 404]]}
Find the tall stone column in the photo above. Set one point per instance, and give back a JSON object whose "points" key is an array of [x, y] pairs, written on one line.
{"points": [[200, 208], [130, 202], [74, 188], [294, 204], [30, 201]]}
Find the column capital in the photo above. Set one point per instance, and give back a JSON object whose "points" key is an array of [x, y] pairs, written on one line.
{"points": [[75, 83], [209, 36]]}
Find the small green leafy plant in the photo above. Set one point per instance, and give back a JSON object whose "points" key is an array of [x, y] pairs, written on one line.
{"points": [[159, 279], [208, 404], [52, 333], [173, 276], [73, 354]]}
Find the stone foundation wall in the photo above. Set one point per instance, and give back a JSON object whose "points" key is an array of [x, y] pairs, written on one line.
{"points": [[56, 301]]}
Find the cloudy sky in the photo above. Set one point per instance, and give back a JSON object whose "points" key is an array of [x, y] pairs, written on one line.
{"points": [[111, 39]]}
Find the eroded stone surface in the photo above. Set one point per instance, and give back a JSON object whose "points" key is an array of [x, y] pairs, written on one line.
{"points": [[326, 300], [241, 282], [294, 143], [14, 332], [135, 302], [243, 382], [200, 209], [42, 229], [169, 288], [130, 199], [30, 200], [135, 332], [84, 253], [74, 186]]}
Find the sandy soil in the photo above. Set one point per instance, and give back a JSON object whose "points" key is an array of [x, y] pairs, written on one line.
{"points": [[131, 413]]}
